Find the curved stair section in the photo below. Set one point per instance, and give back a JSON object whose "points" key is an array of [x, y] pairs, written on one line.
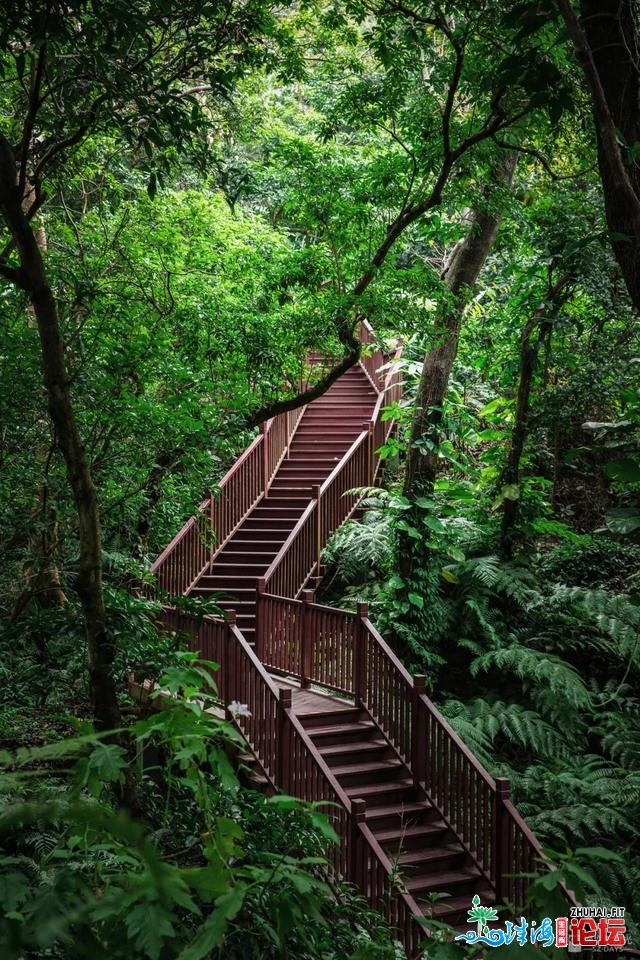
{"points": [[334, 716], [425, 850], [325, 432]]}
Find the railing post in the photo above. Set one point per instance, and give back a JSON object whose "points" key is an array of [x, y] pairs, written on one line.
{"points": [[306, 639], [359, 679], [372, 471], [418, 734], [315, 493], [265, 459], [261, 589], [227, 674], [211, 526], [357, 869], [282, 743], [501, 864]]}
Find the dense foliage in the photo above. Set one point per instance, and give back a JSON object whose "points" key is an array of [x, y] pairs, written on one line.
{"points": [[193, 199]]}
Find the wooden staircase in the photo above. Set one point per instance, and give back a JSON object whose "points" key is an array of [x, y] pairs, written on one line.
{"points": [[406, 796], [427, 853], [327, 429]]}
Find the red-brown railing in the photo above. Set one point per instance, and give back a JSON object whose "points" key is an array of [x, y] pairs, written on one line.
{"points": [[344, 652], [241, 677], [299, 557], [203, 536], [196, 545], [291, 761], [334, 503], [296, 638], [187, 556], [372, 359], [237, 494]]}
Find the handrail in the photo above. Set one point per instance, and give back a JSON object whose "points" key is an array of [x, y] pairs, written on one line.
{"points": [[411, 684], [344, 652], [337, 470], [287, 552], [188, 555], [293, 763], [403, 909], [319, 532], [371, 364]]}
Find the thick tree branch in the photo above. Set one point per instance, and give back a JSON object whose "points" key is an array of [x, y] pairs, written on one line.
{"points": [[14, 275], [542, 160], [602, 113], [306, 396], [30, 119]]}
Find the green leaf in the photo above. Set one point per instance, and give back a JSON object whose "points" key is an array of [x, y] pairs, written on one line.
{"points": [[456, 554], [416, 600], [211, 933], [449, 575], [434, 524], [626, 469], [623, 520]]}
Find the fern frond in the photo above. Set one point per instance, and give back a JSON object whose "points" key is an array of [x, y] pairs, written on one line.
{"points": [[518, 726], [537, 669]]}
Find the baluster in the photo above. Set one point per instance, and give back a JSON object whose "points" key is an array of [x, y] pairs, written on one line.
{"points": [[315, 493], [359, 679], [282, 739], [306, 639], [357, 869], [265, 459], [418, 739], [501, 866], [229, 645], [261, 589]]}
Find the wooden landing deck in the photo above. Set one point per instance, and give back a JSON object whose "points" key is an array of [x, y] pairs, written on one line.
{"points": [[310, 700]]}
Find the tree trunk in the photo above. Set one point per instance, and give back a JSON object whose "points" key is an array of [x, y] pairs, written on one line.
{"points": [[460, 274], [606, 45], [556, 296], [31, 276], [40, 570], [519, 434]]}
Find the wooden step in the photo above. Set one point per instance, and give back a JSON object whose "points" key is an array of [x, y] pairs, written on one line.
{"points": [[234, 587], [296, 498], [238, 571], [290, 513], [318, 446], [382, 816], [333, 718], [451, 909], [254, 548], [394, 792], [410, 836], [334, 428], [254, 529], [301, 468], [441, 881], [230, 596], [338, 753], [341, 733], [370, 772], [426, 860], [315, 460]]}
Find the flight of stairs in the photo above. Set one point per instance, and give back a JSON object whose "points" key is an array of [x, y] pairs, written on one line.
{"points": [[429, 855], [326, 430]]}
